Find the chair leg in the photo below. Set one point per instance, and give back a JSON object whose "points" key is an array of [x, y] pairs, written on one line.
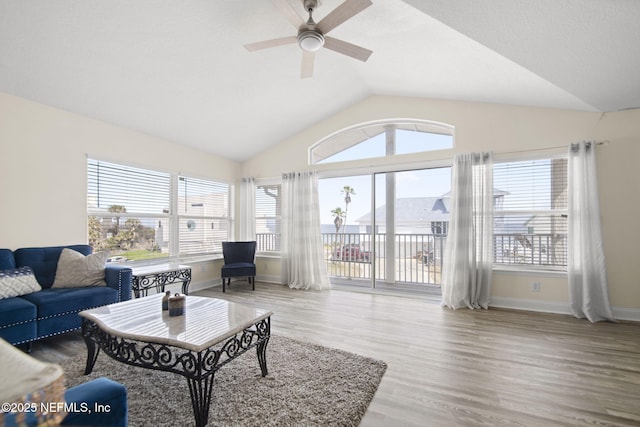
{"points": [[223, 284], [253, 282]]}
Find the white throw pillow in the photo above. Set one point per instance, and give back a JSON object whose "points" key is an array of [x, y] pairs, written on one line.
{"points": [[16, 282], [78, 271]]}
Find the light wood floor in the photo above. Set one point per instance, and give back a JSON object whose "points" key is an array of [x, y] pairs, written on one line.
{"points": [[456, 368]]}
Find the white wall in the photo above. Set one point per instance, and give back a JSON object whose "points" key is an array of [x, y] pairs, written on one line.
{"points": [[43, 176], [506, 129]]}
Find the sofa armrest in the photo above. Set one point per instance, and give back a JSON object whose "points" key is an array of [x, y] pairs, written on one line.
{"points": [[119, 278]]}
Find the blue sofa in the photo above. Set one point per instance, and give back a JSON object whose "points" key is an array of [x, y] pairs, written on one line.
{"points": [[48, 312]]}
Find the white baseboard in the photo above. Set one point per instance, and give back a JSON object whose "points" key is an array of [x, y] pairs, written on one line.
{"points": [[620, 313], [530, 305], [623, 313], [269, 279], [198, 286]]}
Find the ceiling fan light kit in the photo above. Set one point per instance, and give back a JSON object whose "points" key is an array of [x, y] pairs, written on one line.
{"points": [[311, 37], [310, 40]]}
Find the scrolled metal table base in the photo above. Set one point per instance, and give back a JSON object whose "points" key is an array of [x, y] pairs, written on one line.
{"points": [[198, 367], [143, 282]]}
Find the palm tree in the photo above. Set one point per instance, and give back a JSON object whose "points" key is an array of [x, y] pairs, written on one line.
{"points": [[338, 219], [348, 191]]}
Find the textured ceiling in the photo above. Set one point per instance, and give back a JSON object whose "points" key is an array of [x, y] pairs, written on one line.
{"points": [[177, 69]]}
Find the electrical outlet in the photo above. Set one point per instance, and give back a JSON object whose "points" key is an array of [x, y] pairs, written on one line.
{"points": [[535, 287]]}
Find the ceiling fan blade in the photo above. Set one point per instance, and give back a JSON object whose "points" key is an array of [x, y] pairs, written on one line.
{"points": [[341, 13], [308, 58], [289, 12], [346, 48], [265, 44]]}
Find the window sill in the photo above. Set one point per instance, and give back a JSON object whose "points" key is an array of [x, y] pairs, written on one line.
{"points": [[528, 271], [273, 255], [171, 260]]}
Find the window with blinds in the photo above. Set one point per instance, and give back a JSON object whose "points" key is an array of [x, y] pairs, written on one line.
{"points": [[140, 214], [203, 215], [268, 217], [530, 213]]}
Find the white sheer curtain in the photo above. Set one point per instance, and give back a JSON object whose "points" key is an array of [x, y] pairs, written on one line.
{"points": [[588, 290], [302, 249], [468, 255], [248, 209]]}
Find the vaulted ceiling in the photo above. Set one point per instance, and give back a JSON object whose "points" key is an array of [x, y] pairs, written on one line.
{"points": [[177, 69]]}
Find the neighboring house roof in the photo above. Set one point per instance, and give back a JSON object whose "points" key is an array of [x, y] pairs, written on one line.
{"points": [[421, 210], [412, 210]]}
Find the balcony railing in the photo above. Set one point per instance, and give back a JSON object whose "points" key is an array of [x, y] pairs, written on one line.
{"points": [[548, 250], [268, 242], [418, 258]]}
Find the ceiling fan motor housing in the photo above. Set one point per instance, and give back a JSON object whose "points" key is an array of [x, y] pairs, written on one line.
{"points": [[310, 40]]}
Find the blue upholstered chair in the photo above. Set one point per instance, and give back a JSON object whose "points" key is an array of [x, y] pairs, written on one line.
{"points": [[35, 384], [239, 261]]}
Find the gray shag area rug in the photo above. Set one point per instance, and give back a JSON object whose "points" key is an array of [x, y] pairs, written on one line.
{"points": [[307, 385]]}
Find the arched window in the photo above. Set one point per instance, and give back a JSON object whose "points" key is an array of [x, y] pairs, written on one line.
{"points": [[382, 138]]}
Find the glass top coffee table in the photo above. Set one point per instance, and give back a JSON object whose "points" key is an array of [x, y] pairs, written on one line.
{"points": [[210, 334]]}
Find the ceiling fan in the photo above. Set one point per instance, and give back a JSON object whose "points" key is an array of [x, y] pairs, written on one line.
{"points": [[312, 36]]}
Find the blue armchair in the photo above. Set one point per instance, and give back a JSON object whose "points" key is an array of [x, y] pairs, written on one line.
{"points": [[239, 261], [34, 384]]}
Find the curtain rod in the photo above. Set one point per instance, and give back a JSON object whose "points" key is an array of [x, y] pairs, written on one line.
{"points": [[559, 147], [418, 163]]}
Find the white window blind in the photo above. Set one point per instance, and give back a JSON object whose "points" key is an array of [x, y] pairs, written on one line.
{"points": [[268, 217], [203, 211], [137, 190], [139, 214], [129, 211], [530, 213]]}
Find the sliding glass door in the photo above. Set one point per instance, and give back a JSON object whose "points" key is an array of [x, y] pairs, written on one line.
{"points": [[345, 203], [386, 229]]}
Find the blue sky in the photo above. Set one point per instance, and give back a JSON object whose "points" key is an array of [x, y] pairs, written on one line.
{"points": [[418, 183]]}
